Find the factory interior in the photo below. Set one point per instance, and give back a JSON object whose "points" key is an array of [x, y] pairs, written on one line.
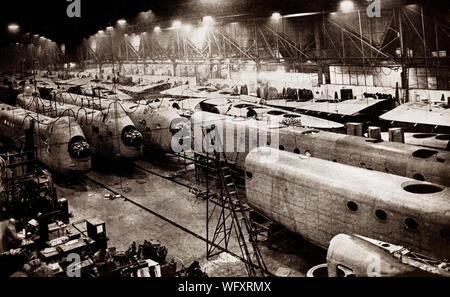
{"points": [[209, 138]]}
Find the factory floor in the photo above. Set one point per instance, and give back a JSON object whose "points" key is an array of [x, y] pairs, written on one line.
{"points": [[177, 216]]}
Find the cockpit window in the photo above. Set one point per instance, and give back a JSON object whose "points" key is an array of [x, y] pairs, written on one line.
{"points": [[208, 107], [75, 90]]}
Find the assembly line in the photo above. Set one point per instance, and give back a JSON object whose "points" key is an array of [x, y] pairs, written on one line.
{"points": [[233, 139]]}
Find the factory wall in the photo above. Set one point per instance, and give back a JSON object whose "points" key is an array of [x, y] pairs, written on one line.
{"points": [[280, 77], [433, 79], [419, 78], [360, 80], [367, 76]]}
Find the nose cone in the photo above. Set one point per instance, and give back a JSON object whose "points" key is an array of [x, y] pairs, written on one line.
{"points": [[80, 149], [132, 137]]}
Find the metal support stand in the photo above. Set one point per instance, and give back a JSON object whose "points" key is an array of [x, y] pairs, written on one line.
{"points": [[226, 213]]}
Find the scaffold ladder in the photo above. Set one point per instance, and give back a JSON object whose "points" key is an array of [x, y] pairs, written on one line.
{"points": [[233, 215]]}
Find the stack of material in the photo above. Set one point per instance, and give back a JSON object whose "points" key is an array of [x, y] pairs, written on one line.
{"points": [[13, 166], [154, 250]]}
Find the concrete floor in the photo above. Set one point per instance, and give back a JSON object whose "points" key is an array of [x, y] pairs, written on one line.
{"points": [[126, 222]]}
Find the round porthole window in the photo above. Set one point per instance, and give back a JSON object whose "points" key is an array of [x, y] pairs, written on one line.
{"points": [[249, 175], [411, 224], [381, 215], [352, 206], [297, 151], [281, 147]]}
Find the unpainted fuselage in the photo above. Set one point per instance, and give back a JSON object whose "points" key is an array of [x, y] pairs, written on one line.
{"points": [[389, 157], [110, 133], [60, 144], [319, 199], [158, 124], [430, 140], [364, 257]]}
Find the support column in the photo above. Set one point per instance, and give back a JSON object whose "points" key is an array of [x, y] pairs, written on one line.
{"points": [[258, 70], [174, 69], [211, 69], [405, 80], [318, 51]]}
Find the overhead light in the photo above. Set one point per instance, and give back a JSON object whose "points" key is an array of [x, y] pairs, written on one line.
{"points": [[109, 28], [36, 35], [157, 29], [122, 22], [13, 27], [208, 20], [276, 16], [125, 35], [347, 6], [101, 31], [176, 25]]}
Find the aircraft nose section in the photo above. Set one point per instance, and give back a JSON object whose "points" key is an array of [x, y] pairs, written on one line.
{"points": [[132, 137], [80, 149]]}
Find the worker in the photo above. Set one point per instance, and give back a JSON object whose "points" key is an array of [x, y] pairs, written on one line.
{"points": [[244, 90], [103, 261], [10, 238]]}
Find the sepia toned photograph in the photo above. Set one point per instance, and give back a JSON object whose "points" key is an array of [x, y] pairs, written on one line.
{"points": [[223, 146]]}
